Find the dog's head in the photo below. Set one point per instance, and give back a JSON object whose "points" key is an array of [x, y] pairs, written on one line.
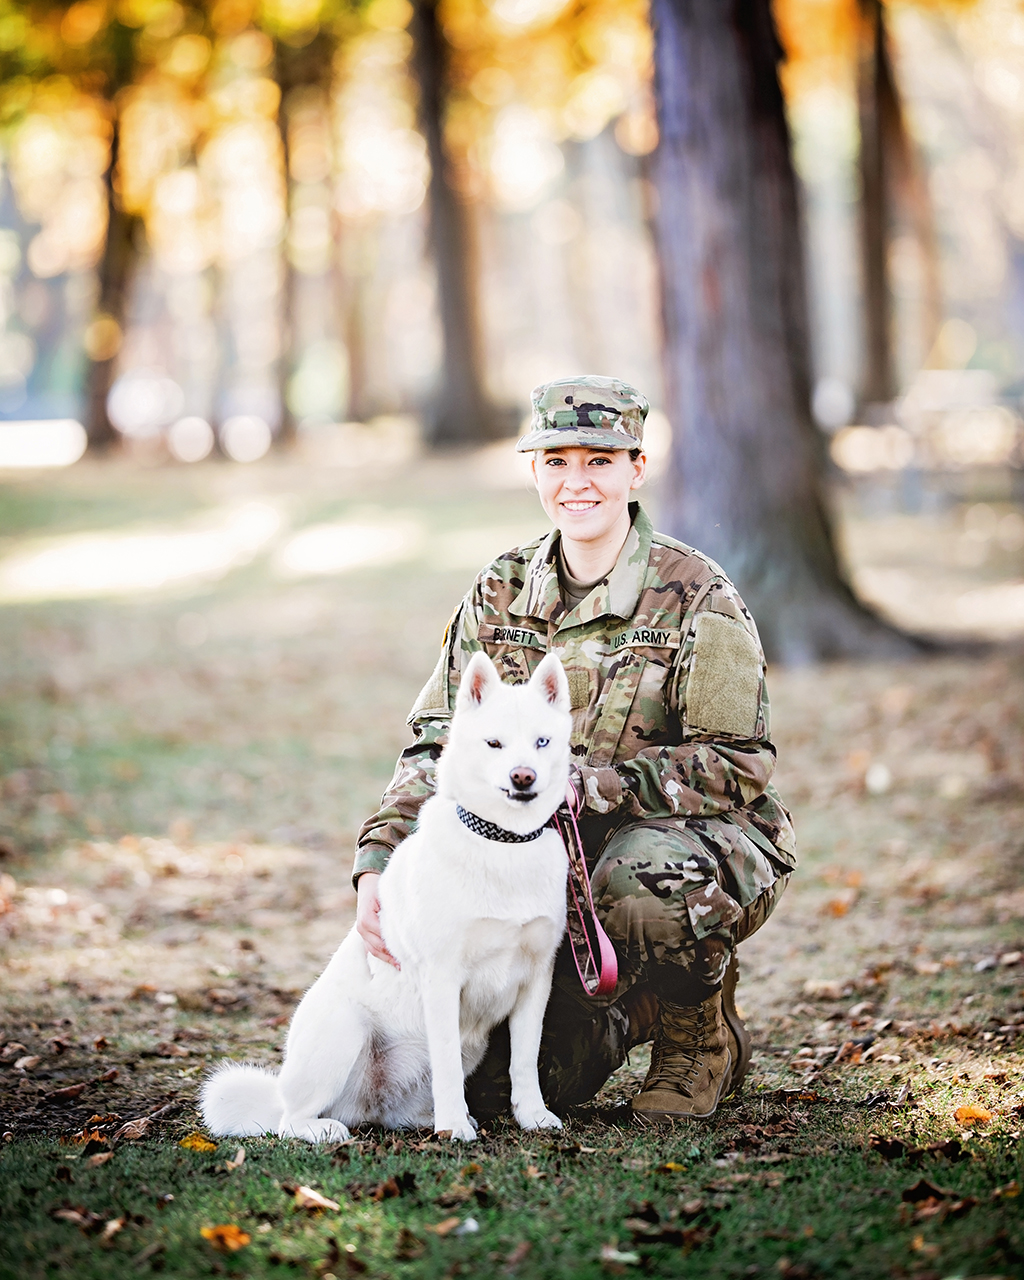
{"points": [[507, 758]]}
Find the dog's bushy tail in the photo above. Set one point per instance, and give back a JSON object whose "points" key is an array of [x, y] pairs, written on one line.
{"points": [[241, 1100]]}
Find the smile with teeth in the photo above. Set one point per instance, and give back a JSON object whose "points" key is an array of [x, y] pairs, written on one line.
{"points": [[579, 506]]}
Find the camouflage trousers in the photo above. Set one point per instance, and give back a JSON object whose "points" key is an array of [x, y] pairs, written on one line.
{"points": [[675, 896]]}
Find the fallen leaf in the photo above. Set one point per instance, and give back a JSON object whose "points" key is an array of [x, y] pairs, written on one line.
{"points": [[63, 1174], [1011, 957], [887, 1148], [111, 1228], [28, 1063], [133, 1130], [533, 1172], [226, 1238], [924, 1190], [386, 1190], [1007, 1191], [238, 1161], [670, 1166], [518, 1255], [101, 1157], [443, 1228], [971, 1115], [307, 1198], [107, 1076], [196, 1142], [88, 1223], [926, 1250], [12, 1050], [819, 989], [65, 1095], [100, 1043], [408, 1246], [610, 1253]]}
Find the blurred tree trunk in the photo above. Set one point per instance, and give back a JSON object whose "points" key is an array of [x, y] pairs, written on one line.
{"points": [[307, 67], [114, 277], [892, 180], [881, 140], [461, 413], [746, 476]]}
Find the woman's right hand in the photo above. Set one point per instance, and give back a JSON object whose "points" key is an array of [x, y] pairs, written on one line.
{"points": [[368, 917]]}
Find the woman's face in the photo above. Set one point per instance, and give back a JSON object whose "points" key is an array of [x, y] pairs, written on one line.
{"points": [[585, 492]]}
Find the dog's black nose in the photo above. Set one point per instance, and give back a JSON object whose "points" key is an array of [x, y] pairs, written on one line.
{"points": [[522, 778]]}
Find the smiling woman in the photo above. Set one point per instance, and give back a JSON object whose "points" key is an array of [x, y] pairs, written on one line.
{"points": [[689, 845]]}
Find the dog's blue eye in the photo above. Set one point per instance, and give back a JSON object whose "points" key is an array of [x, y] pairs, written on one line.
{"points": [[493, 742], [543, 742]]}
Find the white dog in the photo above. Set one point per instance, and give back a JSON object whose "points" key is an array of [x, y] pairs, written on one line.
{"points": [[473, 909]]}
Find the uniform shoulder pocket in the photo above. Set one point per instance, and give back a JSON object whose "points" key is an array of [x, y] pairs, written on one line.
{"points": [[723, 693]]}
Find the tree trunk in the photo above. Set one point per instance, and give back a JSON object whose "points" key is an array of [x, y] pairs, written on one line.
{"points": [[882, 142], [115, 271], [461, 413], [746, 476], [307, 66]]}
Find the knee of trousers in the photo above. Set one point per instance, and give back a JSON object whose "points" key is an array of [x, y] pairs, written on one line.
{"points": [[682, 892]]}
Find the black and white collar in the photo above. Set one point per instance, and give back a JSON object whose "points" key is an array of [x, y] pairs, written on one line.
{"points": [[491, 830]]}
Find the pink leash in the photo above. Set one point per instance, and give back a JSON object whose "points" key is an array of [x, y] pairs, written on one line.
{"points": [[599, 973]]}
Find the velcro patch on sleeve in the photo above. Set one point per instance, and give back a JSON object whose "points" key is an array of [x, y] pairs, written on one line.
{"points": [[433, 699], [723, 693]]}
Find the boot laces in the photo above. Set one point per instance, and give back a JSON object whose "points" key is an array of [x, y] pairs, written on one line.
{"points": [[672, 1063]]}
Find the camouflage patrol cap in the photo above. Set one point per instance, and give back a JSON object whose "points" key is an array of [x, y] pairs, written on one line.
{"points": [[597, 413]]}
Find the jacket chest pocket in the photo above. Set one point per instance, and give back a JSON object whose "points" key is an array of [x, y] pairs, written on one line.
{"points": [[513, 666], [613, 708]]}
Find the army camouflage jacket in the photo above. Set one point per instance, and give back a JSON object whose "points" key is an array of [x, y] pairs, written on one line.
{"points": [[669, 706]]}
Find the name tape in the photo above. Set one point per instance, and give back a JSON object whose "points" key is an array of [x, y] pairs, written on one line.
{"points": [[646, 638], [514, 635]]}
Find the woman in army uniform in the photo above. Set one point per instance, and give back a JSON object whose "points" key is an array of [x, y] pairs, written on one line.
{"points": [[688, 844]]}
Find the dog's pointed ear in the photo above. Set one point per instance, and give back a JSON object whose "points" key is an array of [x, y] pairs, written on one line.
{"points": [[479, 680], [551, 683]]}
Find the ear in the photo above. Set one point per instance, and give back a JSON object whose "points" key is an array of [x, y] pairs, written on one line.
{"points": [[550, 682], [479, 680]]}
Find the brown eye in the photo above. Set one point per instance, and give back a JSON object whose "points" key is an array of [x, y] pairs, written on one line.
{"points": [[494, 743]]}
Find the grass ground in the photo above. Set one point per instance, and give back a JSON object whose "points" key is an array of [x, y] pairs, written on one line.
{"points": [[185, 756]]}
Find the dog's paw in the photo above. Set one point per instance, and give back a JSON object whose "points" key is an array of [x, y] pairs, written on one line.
{"points": [[537, 1118], [460, 1130], [318, 1130]]}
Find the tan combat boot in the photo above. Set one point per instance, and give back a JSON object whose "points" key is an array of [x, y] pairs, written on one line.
{"points": [[691, 1066], [739, 1036]]}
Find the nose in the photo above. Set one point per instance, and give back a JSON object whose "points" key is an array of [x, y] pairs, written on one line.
{"points": [[523, 778]]}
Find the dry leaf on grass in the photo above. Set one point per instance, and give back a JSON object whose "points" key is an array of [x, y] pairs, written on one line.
{"points": [[28, 1063], [226, 1238], [65, 1095], [408, 1246], [971, 1115], [238, 1161], [196, 1142], [133, 1130], [443, 1228], [533, 1172], [518, 1255], [111, 1228], [615, 1260], [307, 1198], [101, 1157]]}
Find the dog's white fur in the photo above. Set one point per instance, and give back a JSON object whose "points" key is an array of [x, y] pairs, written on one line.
{"points": [[474, 924]]}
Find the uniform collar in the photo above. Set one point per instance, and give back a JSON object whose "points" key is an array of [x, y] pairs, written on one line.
{"points": [[617, 595]]}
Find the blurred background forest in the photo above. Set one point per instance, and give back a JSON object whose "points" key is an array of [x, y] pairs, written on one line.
{"points": [[352, 229]]}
